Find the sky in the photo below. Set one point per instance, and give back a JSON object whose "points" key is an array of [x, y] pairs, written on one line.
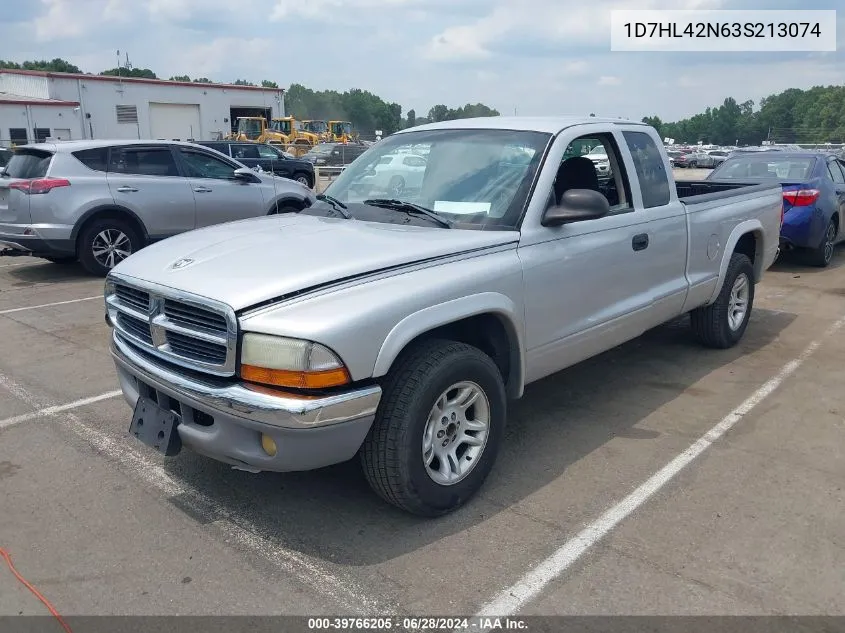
{"points": [[532, 57]]}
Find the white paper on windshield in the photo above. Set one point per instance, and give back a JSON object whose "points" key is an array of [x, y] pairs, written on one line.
{"points": [[461, 208]]}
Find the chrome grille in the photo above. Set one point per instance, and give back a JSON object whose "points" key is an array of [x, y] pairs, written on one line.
{"points": [[196, 349], [190, 331], [136, 327], [189, 316], [133, 297]]}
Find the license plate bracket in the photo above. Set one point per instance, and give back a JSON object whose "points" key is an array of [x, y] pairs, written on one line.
{"points": [[156, 426]]}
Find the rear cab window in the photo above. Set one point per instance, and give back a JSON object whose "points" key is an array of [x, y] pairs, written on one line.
{"points": [[29, 163], [650, 168]]}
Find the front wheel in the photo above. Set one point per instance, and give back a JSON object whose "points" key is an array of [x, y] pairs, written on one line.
{"points": [[438, 428], [722, 323], [302, 179]]}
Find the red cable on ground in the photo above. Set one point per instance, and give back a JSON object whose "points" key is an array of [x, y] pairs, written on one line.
{"points": [[34, 591]]}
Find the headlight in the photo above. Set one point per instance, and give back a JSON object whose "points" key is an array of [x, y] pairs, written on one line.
{"points": [[286, 362]]}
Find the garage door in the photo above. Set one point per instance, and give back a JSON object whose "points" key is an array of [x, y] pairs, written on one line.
{"points": [[175, 121]]}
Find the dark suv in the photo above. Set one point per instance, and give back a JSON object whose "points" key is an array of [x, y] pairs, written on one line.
{"points": [[334, 154], [269, 158]]}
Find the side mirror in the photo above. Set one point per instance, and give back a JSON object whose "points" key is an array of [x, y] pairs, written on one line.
{"points": [[246, 174], [577, 205]]}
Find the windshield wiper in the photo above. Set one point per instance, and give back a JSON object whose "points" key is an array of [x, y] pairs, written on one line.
{"points": [[410, 208], [336, 204]]}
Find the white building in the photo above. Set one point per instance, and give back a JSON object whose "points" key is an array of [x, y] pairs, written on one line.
{"points": [[37, 105]]}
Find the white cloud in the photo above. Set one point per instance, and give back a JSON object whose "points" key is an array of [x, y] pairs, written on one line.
{"points": [[609, 80], [538, 56]]}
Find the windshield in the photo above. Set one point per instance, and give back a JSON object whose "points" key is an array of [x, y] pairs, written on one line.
{"points": [[755, 166], [317, 127], [280, 126], [599, 150], [250, 127], [475, 178], [341, 127], [321, 149]]}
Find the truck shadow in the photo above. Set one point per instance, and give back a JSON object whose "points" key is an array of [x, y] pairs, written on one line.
{"points": [[332, 515]]}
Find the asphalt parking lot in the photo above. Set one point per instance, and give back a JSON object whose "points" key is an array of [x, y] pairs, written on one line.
{"points": [[658, 478]]}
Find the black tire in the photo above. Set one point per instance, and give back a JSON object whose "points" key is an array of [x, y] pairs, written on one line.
{"points": [[85, 245], [822, 255], [711, 324], [304, 178], [392, 453], [61, 260], [284, 207], [396, 186]]}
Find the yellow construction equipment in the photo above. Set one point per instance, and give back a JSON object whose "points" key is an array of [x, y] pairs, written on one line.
{"points": [[341, 132], [281, 130], [318, 127]]}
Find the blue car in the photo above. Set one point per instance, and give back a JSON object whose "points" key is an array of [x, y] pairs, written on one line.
{"points": [[813, 196]]}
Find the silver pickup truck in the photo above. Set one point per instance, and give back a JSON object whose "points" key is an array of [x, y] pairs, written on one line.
{"points": [[396, 324]]}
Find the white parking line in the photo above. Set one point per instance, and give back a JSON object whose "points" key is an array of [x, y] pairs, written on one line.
{"points": [[50, 305], [49, 411], [234, 528], [512, 599]]}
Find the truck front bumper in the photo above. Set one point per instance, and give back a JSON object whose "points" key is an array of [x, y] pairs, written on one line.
{"points": [[226, 421]]}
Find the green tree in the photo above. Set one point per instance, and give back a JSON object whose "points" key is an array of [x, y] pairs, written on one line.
{"points": [[180, 78], [56, 65], [242, 82], [411, 119], [266, 83], [144, 73], [203, 80]]}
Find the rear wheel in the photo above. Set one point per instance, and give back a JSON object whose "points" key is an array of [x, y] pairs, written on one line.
{"points": [[105, 243], [822, 255], [722, 323], [437, 429]]}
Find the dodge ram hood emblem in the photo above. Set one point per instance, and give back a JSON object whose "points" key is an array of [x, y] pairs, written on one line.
{"points": [[181, 263]]}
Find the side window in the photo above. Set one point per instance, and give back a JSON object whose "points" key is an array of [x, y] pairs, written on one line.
{"points": [[245, 151], [18, 136], [654, 183], [841, 165], [143, 161], [265, 151], [835, 172], [96, 158], [202, 165], [594, 162]]}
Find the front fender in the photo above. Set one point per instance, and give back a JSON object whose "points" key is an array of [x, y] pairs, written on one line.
{"points": [[748, 226], [451, 311]]}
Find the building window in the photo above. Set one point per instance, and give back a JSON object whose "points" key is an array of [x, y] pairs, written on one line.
{"points": [[126, 113], [41, 134], [18, 136]]}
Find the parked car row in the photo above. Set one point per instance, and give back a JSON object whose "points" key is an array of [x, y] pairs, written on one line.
{"points": [[100, 201]]}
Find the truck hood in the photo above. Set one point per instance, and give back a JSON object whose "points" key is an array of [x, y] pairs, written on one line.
{"points": [[248, 262]]}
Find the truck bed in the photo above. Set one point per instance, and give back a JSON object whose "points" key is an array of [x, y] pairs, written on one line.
{"points": [[697, 191]]}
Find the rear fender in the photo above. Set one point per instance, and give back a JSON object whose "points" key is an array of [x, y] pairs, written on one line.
{"points": [[748, 226]]}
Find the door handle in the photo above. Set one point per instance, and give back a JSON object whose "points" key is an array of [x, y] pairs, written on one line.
{"points": [[640, 242], [202, 189], [126, 189]]}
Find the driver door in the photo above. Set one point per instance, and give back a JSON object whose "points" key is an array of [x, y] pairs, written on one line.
{"points": [[219, 196]]}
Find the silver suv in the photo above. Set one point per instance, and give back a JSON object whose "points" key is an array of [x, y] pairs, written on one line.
{"points": [[100, 201]]}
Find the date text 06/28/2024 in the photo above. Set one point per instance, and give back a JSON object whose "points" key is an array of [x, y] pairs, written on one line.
{"points": [[723, 31]]}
